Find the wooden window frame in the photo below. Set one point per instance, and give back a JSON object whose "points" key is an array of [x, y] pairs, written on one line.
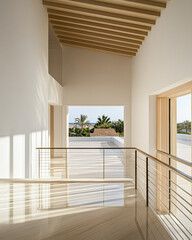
{"points": [[166, 132]]}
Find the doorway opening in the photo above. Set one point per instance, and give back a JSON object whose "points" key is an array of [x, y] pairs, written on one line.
{"points": [[96, 126]]}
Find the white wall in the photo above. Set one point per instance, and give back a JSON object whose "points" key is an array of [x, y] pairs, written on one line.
{"points": [[95, 78], [55, 57], [165, 59], [55, 98], [55, 92], [23, 80]]}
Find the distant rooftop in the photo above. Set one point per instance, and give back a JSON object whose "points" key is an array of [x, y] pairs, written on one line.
{"points": [[104, 132]]}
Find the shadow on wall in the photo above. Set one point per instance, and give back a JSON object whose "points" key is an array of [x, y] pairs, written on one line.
{"points": [[18, 154]]}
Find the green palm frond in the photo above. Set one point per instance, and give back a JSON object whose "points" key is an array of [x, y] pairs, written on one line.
{"points": [[81, 121]]}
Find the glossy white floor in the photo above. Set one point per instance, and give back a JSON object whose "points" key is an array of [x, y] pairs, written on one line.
{"points": [[76, 211]]}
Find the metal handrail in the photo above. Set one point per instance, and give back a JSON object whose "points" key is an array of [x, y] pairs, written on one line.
{"points": [[175, 158], [175, 170], [178, 172], [130, 148], [66, 148]]}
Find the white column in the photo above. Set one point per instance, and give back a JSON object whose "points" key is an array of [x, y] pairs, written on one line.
{"points": [[128, 161], [61, 126], [60, 135], [60, 155], [65, 135], [58, 126], [65, 128], [127, 126]]}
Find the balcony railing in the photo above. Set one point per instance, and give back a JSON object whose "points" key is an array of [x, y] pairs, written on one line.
{"points": [[165, 188], [164, 182], [84, 162]]}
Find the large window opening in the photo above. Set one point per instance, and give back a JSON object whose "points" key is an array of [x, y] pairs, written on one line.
{"points": [[98, 133], [100, 126]]}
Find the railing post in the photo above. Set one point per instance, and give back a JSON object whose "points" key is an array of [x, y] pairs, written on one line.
{"points": [[169, 186], [103, 163], [66, 155], [39, 170], [147, 181], [135, 169]]}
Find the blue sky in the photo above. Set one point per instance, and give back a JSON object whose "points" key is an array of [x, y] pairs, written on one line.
{"points": [[114, 112], [117, 112], [184, 108]]}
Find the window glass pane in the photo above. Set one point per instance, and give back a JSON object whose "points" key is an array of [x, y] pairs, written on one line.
{"points": [[184, 127]]}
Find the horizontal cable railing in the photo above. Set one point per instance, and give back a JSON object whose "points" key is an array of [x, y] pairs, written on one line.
{"points": [[165, 188], [168, 190], [83, 162], [120, 152]]}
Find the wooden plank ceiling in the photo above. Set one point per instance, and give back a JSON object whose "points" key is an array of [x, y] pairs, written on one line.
{"points": [[113, 26]]}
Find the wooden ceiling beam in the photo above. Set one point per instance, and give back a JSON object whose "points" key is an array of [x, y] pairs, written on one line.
{"points": [[64, 20], [60, 14], [116, 27], [111, 6], [55, 5], [61, 35], [148, 3], [84, 41], [96, 30], [59, 30], [96, 48]]}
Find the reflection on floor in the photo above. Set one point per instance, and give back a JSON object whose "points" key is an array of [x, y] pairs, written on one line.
{"points": [[76, 211]]}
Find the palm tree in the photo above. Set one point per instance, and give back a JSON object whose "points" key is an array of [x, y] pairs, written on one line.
{"points": [[118, 126], [103, 121], [82, 122]]}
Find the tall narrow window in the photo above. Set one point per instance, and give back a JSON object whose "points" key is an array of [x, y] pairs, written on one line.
{"points": [[180, 145], [174, 137], [184, 127]]}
